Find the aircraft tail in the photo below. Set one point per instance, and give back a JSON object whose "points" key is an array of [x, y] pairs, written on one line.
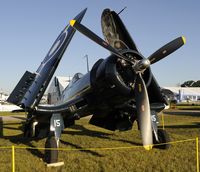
{"points": [[55, 92], [32, 86]]}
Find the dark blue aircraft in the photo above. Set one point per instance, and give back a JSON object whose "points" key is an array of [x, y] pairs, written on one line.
{"points": [[117, 91]]}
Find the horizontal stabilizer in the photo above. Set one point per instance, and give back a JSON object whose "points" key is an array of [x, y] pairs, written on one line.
{"points": [[23, 85]]}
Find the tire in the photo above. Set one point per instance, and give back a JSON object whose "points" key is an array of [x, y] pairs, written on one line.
{"points": [[27, 130], [51, 156], [163, 137]]}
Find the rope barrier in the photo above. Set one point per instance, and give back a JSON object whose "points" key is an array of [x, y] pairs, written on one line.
{"points": [[105, 148], [13, 158], [197, 149]]}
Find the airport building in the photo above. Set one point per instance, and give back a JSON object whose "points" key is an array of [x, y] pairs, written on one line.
{"points": [[185, 94], [4, 106], [3, 96]]}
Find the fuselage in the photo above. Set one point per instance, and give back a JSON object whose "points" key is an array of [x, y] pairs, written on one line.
{"points": [[108, 86]]}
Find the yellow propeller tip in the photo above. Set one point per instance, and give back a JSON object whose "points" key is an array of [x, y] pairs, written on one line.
{"points": [[148, 147], [72, 22], [184, 40]]}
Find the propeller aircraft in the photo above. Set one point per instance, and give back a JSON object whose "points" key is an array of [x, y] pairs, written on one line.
{"points": [[117, 91]]}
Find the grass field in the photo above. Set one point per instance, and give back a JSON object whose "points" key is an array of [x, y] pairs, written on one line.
{"points": [[9, 113], [186, 106], [180, 156]]}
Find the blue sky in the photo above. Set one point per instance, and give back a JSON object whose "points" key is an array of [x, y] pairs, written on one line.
{"points": [[28, 29]]}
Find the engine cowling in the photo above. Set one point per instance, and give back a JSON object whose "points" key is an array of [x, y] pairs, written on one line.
{"points": [[118, 74]]}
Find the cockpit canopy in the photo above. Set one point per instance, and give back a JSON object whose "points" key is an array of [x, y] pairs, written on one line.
{"points": [[75, 78]]}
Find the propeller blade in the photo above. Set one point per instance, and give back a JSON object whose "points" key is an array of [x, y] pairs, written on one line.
{"points": [[91, 35], [143, 112], [167, 49]]}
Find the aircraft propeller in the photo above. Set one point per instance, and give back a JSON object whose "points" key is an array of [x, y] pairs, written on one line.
{"points": [[141, 95], [88, 33]]}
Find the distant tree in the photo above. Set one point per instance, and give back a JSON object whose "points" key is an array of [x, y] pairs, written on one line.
{"points": [[191, 83], [188, 83], [196, 84]]}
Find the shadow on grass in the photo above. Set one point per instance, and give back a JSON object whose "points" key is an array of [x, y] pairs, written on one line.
{"points": [[20, 139], [79, 130], [18, 117], [193, 125], [79, 147], [82, 131], [183, 112], [127, 141]]}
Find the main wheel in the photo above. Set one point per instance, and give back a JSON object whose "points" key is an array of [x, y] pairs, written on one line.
{"points": [[27, 129], [51, 156], [163, 137]]}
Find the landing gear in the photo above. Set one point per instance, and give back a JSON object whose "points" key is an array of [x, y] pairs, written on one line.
{"points": [[30, 128], [56, 127], [51, 156], [160, 136], [163, 137]]}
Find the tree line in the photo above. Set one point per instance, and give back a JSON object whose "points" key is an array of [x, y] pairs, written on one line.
{"points": [[191, 83]]}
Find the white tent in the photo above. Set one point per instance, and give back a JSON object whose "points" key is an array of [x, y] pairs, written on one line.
{"points": [[186, 93]]}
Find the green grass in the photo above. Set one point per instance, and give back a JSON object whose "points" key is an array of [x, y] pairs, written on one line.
{"points": [[180, 156], [10, 113], [186, 106]]}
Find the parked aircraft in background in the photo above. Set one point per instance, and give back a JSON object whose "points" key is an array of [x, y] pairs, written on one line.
{"points": [[116, 91]]}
